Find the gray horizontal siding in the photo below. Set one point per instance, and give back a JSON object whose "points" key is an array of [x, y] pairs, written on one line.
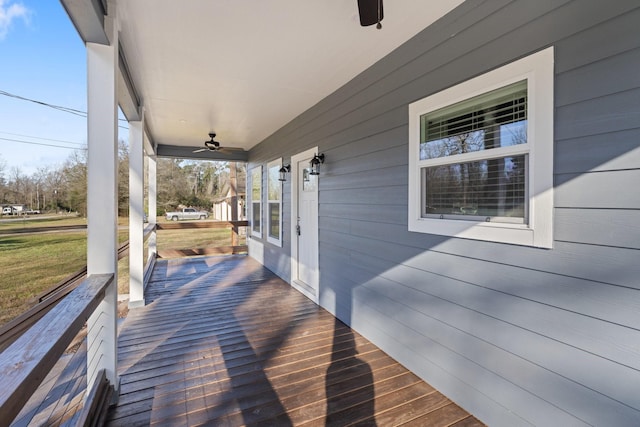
{"points": [[503, 349], [613, 190], [468, 286], [597, 153], [616, 228], [593, 42], [611, 113], [602, 78], [614, 304], [598, 264], [516, 335]]}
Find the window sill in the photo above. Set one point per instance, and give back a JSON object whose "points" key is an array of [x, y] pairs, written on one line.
{"points": [[515, 234]]}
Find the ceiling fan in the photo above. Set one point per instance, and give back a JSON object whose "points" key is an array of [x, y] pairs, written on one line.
{"points": [[213, 145]]}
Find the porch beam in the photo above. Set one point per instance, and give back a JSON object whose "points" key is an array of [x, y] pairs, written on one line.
{"points": [[179, 152], [149, 146], [88, 18], [128, 97]]}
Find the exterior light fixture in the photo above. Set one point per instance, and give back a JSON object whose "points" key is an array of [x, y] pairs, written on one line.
{"points": [[284, 170], [317, 160]]}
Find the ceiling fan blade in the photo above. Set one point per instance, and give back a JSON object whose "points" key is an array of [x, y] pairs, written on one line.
{"points": [[230, 149], [199, 150], [371, 12]]}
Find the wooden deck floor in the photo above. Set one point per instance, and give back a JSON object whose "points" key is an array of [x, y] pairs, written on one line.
{"points": [[223, 341]]}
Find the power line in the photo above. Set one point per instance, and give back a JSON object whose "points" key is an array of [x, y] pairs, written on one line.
{"points": [[42, 144], [55, 107], [44, 139]]}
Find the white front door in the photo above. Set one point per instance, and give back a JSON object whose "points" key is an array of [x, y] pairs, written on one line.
{"points": [[304, 226]]}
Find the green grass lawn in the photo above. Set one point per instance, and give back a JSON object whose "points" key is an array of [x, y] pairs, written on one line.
{"points": [[33, 263]]}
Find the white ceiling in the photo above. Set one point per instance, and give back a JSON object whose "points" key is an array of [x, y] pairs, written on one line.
{"points": [[245, 68]]}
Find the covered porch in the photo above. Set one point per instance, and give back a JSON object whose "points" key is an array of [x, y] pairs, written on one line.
{"points": [[523, 319]]}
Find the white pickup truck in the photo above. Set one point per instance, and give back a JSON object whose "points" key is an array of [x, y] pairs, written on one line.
{"points": [[187, 213]]}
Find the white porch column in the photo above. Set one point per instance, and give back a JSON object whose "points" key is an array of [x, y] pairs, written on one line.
{"points": [[102, 202], [136, 212], [153, 211]]}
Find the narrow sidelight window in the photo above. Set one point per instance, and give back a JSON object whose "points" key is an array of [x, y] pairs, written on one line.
{"points": [[256, 201], [274, 203]]}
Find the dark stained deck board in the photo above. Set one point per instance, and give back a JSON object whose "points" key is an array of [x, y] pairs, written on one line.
{"points": [[224, 341]]}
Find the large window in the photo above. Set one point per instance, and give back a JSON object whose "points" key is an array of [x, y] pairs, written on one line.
{"points": [[256, 201], [481, 156], [274, 203]]}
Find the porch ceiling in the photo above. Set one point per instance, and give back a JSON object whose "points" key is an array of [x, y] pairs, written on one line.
{"points": [[246, 68]]}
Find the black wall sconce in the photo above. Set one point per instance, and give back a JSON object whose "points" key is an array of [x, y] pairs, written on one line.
{"points": [[284, 170], [317, 160]]}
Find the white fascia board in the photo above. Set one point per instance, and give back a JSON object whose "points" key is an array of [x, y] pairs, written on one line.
{"points": [[88, 18]]}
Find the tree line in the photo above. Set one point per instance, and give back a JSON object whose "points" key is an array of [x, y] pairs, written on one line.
{"points": [[63, 188]]}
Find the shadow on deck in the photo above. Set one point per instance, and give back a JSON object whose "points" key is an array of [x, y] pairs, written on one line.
{"points": [[224, 341]]}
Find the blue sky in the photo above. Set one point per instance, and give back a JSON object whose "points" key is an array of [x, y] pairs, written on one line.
{"points": [[43, 58]]}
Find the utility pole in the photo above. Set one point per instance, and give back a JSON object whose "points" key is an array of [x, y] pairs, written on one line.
{"points": [[233, 192]]}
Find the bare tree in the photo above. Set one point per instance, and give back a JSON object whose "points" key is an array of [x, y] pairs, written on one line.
{"points": [[179, 182], [3, 183], [70, 187], [17, 185], [123, 178]]}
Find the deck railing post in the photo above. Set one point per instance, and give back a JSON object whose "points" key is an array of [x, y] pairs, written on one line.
{"points": [[235, 240], [102, 201]]}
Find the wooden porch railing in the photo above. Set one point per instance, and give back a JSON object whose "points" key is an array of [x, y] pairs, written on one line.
{"points": [[26, 362], [13, 329], [233, 226]]}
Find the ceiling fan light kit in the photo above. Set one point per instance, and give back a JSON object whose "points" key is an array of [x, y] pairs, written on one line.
{"points": [[210, 145]]}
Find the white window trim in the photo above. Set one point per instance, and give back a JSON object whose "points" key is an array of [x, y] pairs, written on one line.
{"points": [[253, 232], [537, 69], [276, 241]]}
